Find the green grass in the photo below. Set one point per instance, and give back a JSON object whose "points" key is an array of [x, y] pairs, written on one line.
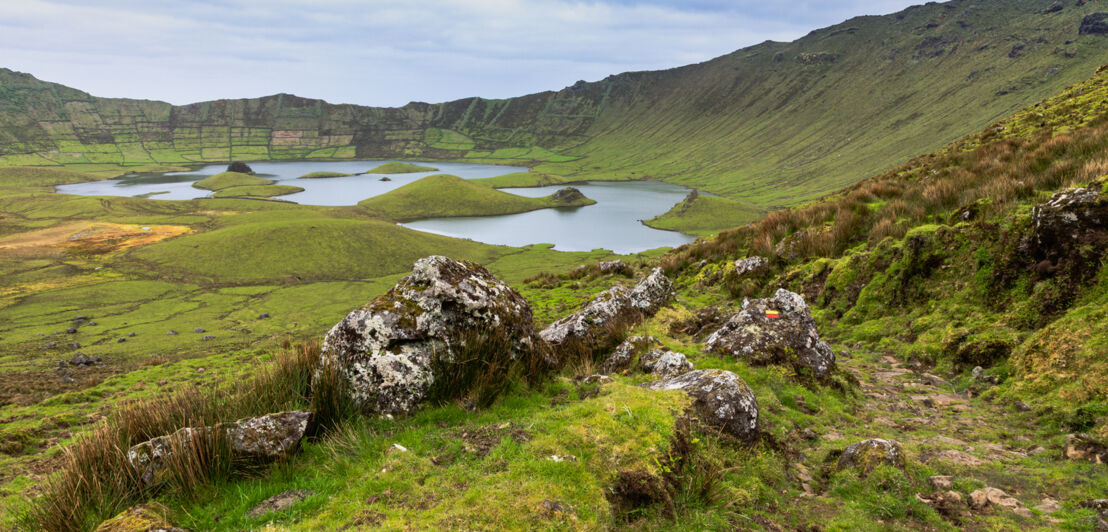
{"points": [[447, 195], [263, 191], [705, 215], [323, 175], [38, 176], [400, 168], [230, 179]]}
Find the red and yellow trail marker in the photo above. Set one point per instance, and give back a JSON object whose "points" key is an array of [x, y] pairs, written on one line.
{"points": [[772, 314]]}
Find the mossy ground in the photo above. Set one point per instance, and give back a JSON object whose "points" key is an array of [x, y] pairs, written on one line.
{"points": [[323, 175], [704, 215], [226, 180], [400, 168], [260, 191]]}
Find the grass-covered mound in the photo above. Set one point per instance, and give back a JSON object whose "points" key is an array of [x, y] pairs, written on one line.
{"points": [[521, 180], [224, 180], [448, 195], [703, 215], [400, 168], [262, 191], [323, 175]]}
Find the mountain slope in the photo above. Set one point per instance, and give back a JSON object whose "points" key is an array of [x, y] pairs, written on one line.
{"points": [[774, 124]]}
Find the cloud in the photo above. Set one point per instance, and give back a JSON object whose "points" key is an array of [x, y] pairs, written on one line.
{"points": [[383, 52]]}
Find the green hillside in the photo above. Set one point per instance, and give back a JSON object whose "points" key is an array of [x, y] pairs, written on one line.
{"points": [[224, 180], [447, 195], [704, 215], [773, 124], [401, 168]]}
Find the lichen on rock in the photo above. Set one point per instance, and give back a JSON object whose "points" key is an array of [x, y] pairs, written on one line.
{"points": [[720, 398], [868, 454], [388, 351], [791, 339]]}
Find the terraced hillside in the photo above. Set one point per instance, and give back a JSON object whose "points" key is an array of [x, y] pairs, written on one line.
{"points": [[774, 124]]}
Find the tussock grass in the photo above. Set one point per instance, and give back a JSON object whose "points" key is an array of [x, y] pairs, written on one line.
{"points": [[96, 480]]}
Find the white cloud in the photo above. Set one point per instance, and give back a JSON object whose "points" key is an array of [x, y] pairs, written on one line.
{"points": [[382, 52]]}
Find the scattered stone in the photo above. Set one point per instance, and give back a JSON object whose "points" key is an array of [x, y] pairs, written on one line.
{"points": [[81, 360], [93, 323], [121, 340], [66, 379], [984, 497], [257, 439], [1084, 447], [956, 457], [949, 503], [653, 292], [868, 454], [131, 334], [62, 364], [665, 363], [614, 267], [550, 507], [720, 398], [199, 330], [276, 503], [1094, 24], [1022, 406], [625, 354], [1038, 451], [750, 265], [596, 379], [171, 332], [941, 482], [50, 345], [933, 380], [1101, 507], [809, 434], [389, 349], [1054, 8], [148, 517], [207, 337], [560, 458], [71, 330], [386, 178], [263, 316], [1048, 506], [73, 345], [791, 339]]}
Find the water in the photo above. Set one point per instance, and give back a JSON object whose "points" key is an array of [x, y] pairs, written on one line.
{"points": [[333, 191], [612, 223]]}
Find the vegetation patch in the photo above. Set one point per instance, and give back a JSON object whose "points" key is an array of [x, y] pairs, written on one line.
{"points": [[230, 179], [261, 191], [400, 168], [323, 175], [703, 215]]}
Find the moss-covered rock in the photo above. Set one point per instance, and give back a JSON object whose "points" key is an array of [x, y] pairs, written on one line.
{"points": [[143, 518], [868, 454]]}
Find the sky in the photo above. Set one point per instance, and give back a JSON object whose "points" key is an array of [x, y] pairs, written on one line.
{"points": [[384, 52]]}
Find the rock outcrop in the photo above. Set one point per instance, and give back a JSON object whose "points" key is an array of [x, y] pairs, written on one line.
{"points": [[750, 265], [568, 195], [614, 267], [610, 311], [868, 454], [388, 351], [791, 339], [240, 167], [985, 497], [254, 439], [1070, 219], [720, 398]]}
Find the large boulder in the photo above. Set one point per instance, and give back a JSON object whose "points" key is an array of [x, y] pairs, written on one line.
{"points": [[750, 265], [868, 454], [388, 351], [720, 398], [1070, 219], [1094, 24], [791, 339], [253, 439], [611, 310]]}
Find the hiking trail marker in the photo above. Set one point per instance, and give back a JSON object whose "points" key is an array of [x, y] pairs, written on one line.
{"points": [[772, 314]]}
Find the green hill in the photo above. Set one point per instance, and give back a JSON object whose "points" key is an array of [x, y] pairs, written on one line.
{"points": [[772, 124], [261, 191], [224, 180], [447, 195], [400, 168], [323, 175], [703, 215]]}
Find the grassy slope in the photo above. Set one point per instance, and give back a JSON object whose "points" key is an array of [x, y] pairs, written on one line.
{"points": [[521, 179], [447, 195], [705, 215], [400, 168], [773, 124], [224, 180], [323, 175]]}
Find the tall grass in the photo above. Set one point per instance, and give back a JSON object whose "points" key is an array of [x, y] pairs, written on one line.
{"points": [[96, 481]]}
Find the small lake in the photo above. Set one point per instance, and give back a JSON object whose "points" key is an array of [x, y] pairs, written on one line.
{"points": [[331, 191], [612, 223]]}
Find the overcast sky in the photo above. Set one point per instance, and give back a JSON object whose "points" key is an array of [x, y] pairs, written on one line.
{"points": [[383, 52]]}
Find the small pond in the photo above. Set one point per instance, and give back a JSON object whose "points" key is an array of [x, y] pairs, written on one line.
{"points": [[613, 223]]}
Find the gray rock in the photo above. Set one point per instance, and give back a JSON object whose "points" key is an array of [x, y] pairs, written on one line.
{"points": [[665, 363], [625, 355], [1022, 406], [1084, 447], [987, 496], [268, 437], [614, 267], [171, 332], [792, 339], [941, 482], [71, 330], [1094, 24], [207, 337], [276, 503], [256, 439], [199, 330], [610, 310], [868, 454], [131, 334], [263, 316], [121, 340], [750, 265], [388, 349], [1067, 221], [653, 293], [81, 359], [720, 398]]}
